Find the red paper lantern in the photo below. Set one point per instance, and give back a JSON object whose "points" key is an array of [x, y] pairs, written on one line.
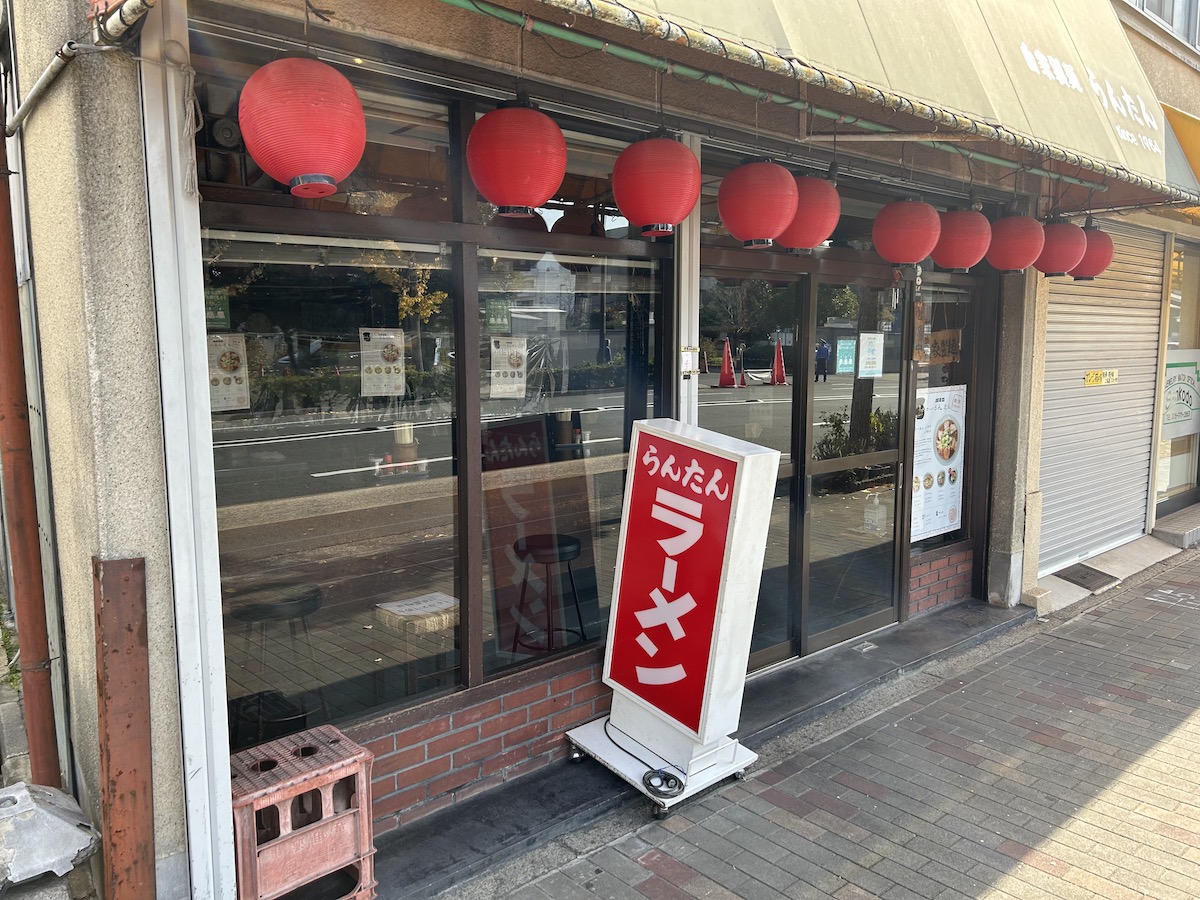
{"points": [[906, 231], [517, 157], [1064, 248], [1016, 242], [303, 124], [756, 202], [965, 237], [656, 183], [818, 208], [1097, 256]]}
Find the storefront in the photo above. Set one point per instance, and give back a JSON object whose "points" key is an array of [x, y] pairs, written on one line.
{"points": [[394, 422]]}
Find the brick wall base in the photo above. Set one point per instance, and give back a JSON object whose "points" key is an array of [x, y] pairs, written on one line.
{"points": [[939, 577]]}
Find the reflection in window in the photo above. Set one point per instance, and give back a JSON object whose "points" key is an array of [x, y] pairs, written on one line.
{"points": [[858, 337], [331, 384], [564, 358]]}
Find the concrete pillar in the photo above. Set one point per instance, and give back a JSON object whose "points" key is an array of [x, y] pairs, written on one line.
{"points": [[1016, 494]]}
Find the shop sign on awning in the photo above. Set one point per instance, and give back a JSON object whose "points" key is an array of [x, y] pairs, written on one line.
{"points": [[1058, 73]]}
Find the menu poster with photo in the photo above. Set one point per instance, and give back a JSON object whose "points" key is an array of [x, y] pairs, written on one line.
{"points": [[939, 444], [381, 362], [845, 356], [228, 381], [870, 354], [508, 367]]}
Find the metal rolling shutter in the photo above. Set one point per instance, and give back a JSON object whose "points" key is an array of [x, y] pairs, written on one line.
{"points": [[1095, 466]]}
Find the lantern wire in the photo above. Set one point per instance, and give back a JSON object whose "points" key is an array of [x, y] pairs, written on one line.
{"points": [[325, 15]]}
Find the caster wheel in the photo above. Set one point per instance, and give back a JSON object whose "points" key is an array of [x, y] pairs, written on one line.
{"points": [[739, 775], [660, 812], [576, 755]]}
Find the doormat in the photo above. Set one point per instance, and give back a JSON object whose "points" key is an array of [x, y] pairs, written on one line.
{"points": [[1086, 577]]}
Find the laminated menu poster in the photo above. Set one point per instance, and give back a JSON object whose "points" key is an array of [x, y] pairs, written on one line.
{"points": [[939, 444], [381, 362], [509, 360], [228, 381]]}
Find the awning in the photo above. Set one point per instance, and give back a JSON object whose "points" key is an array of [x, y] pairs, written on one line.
{"points": [[1053, 77]]}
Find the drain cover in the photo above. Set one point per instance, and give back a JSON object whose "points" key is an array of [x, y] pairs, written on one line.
{"points": [[1087, 577]]}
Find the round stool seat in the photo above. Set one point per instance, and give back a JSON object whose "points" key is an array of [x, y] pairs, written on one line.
{"points": [[547, 549], [278, 601]]}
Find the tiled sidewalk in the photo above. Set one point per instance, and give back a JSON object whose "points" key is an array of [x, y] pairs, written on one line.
{"points": [[1066, 765]]}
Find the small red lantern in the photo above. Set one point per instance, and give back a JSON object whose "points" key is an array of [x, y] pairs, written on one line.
{"points": [[1016, 243], [656, 183], [757, 201], [965, 237], [818, 208], [517, 157], [1065, 246], [1097, 256], [303, 124], [906, 231]]}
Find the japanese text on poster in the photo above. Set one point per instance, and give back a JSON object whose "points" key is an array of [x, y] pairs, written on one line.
{"points": [[670, 575], [509, 360], [870, 355], [228, 381], [381, 361], [939, 442]]}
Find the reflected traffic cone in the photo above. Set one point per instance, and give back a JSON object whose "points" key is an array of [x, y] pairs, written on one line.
{"points": [[703, 362], [726, 379], [778, 375], [742, 382]]}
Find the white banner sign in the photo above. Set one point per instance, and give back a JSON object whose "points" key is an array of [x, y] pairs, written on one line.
{"points": [[381, 362], [228, 381], [939, 444], [1181, 395], [870, 355]]}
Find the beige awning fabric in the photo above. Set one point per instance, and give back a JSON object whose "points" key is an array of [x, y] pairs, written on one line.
{"points": [[1054, 77]]}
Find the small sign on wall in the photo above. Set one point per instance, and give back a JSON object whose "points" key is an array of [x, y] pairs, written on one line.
{"points": [[1099, 376]]}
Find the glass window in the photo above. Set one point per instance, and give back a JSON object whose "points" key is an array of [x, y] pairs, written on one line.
{"points": [[331, 371], [1177, 448], [565, 362]]}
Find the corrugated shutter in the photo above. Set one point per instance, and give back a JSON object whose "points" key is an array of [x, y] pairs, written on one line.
{"points": [[1095, 466]]}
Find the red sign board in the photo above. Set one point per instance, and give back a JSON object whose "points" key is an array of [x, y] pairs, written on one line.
{"points": [[669, 575]]}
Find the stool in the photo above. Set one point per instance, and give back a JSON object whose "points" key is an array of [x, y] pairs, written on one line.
{"points": [[548, 550], [283, 602]]}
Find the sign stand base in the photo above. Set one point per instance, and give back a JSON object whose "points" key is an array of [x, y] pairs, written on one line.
{"points": [[637, 764]]}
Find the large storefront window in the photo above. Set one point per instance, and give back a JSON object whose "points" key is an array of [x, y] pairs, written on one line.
{"points": [[331, 370], [1179, 435], [565, 352]]}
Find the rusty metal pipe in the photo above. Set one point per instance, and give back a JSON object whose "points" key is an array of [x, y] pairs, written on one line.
{"points": [[20, 511]]}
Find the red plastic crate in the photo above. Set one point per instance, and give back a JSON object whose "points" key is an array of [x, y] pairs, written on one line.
{"points": [[302, 812]]}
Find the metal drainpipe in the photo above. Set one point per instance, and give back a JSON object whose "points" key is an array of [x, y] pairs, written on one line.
{"points": [[16, 450], [20, 509]]}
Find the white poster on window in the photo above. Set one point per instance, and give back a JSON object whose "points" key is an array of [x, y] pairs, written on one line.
{"points": [[509, 359], [381, 362], [870, 354], [1181, 395], [939, 445], [228, 381]]}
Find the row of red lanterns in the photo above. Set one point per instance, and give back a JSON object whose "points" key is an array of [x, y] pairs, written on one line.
{"points": [[304, 125]]}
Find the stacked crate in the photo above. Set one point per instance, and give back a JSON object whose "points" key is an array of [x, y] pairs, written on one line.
{"points": [[302, 814]]}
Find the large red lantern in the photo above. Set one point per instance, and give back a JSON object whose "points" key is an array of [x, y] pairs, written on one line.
{"points": [[1064, 248], [905, 232], [965, 237], [1016, 242], [303, 124], [656, 183], [757, 201], [818, 208], [517, 157], [1097, 256]]}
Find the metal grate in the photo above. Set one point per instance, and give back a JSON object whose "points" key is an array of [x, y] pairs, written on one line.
{"points": [[1087, 577]]}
